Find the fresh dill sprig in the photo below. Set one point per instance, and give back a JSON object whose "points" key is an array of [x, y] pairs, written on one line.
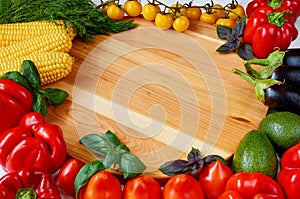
{"points": [[82, 15]]}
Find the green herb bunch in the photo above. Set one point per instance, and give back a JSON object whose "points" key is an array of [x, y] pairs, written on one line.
{"points": [[112, 154], [82, 15]]}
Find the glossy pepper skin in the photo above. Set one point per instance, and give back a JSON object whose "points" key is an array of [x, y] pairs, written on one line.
{"points": [[289, 175], [34, 143], [267, 32], [276, 5], [41, 183], [15, 101], [252, 186]]}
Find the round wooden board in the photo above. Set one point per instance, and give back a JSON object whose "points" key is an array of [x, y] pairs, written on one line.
{"points": [[160, 91]]}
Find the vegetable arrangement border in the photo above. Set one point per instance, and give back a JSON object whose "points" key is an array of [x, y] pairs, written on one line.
{"points": [[276, 85]]}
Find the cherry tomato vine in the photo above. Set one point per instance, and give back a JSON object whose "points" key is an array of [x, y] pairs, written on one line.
{"points": [[176, 15]]}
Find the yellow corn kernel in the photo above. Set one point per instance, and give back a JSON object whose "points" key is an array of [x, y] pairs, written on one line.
{"points": [[59, 42], [16, 32], [52, 66]]}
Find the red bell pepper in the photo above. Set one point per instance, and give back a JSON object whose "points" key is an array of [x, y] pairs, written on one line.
{"points": [[252, 186], [266, 32], [289, 175], [253, 5], [30, 183], [276, 5], [15, 101], [34, 143]]}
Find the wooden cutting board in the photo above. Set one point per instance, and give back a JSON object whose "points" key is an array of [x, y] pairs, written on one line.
{"points": [[162, 92]]}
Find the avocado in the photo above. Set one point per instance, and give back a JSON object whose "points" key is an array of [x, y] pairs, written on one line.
{"points": [[255, 153], [282, 128]]}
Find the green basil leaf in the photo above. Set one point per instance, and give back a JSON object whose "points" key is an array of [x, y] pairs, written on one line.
{"points": [[226, 48], [55, 96], [122, 148], [86, 172], [39, 104], [245, 51], [111, 159], [17, 77], [26, 193], [175, 167], [131, 165], [239, 28], [31, 73], [223, 32], [97, 144], [112, 137]]}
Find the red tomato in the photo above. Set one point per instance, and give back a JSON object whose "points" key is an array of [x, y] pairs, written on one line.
{"points": [[182, 186], [213, 179], [142, 187], [101, 185], [67, 174], [230, 195]]}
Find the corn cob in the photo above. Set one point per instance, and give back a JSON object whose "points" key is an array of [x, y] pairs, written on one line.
{"points": [[52, 66], [59, 42], [16, 32]]}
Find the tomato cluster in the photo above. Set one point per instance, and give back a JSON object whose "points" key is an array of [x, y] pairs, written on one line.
{"points": [[177, 16]]}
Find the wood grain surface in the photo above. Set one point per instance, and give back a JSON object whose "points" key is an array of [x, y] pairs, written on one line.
{"points": [[162, 92]]}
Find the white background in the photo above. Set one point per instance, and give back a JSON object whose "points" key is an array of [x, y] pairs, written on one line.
{"points": [[295, 44]]}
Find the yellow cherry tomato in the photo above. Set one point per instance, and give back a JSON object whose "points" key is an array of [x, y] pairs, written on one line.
{"points": [[115, 12], [218, 11], [133, 8], [181, 24], [106, 6], [164, 21], [177, 10], [149, 11], [229, 22], [236, 12], [193, 13], [208, 18]]}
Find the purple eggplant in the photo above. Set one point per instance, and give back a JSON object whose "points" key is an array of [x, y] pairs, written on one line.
{"points": [[288, 75], [292, 57]]}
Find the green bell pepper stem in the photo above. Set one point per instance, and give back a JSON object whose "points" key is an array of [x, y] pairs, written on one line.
{"points": [[277, 18], [273, 61], [275, 3], [26, 193]]}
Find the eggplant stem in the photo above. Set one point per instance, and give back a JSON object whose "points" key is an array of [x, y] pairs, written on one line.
{"points": [[245, 76]]}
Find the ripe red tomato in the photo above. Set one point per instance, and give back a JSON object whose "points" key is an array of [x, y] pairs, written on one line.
{"points": [[182, 186], [142, 187], [230, 195], [101, 185], [66, 176], [213, 179]]}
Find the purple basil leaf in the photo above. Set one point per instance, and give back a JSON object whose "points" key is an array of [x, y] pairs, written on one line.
{"points": [[197, 167], [211, 158], [194, 156], [226, 48], [245, 51], [175, 167], [235, 42], [238, 29], [223, 32]]}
